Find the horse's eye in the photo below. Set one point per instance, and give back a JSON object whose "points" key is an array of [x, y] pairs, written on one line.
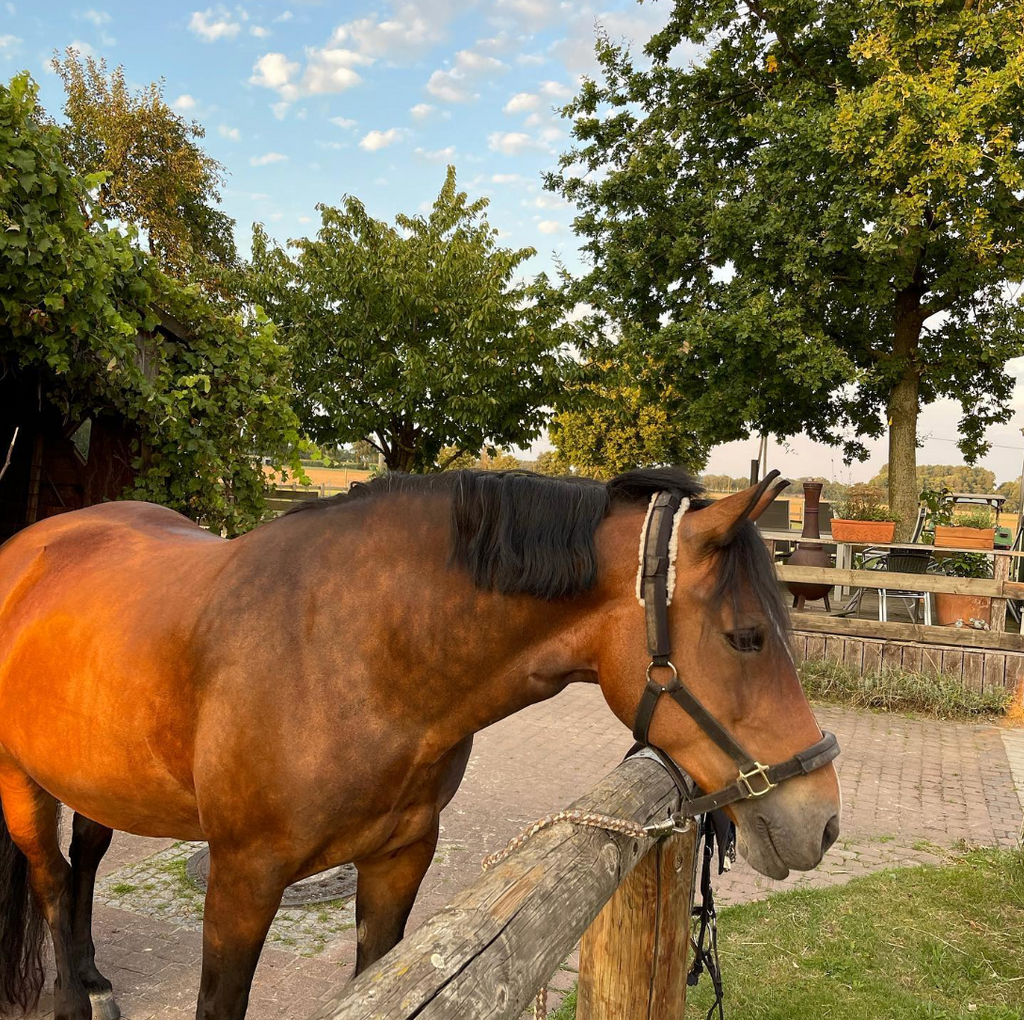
{"points": [[751, 640]]}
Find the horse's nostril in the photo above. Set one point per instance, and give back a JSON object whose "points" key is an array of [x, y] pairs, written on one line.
{"points": [[831, 834]]}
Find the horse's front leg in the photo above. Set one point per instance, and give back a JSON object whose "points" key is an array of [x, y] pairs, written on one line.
{"points": [[385, 894], [242, 896]]}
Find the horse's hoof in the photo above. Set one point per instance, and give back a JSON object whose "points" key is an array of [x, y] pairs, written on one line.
{"points": [[104, 1006]]}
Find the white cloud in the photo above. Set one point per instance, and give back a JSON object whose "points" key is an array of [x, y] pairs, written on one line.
{"points": [[183, 103], [531, 59], [327, 70], [450, 87], [636, 24], [273, 71], [98, 18], [284, 16], [259, 31], [267, 158], [9, 44], [343, 122], [556, 90], [83, 49], [437, 155], [374, 140], [512, 143], [305, 219], [530, 14], [410, 30], [280, 109], [455, 85], [549, 227], [522, 102], [421, 111], [232, 134], [11, 9], [506, 178], [547, 200], [211, 25]]}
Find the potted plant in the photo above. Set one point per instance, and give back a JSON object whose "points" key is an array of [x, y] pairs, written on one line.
{"points": [[862, 518], [948, 530], [964, 610]]}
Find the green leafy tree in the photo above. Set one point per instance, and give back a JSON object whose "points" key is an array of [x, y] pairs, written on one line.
{"points": [[812, 228], [955, 477], [605, 430], [155, 174], [1011, 490], [416, 336], [78, 307]]}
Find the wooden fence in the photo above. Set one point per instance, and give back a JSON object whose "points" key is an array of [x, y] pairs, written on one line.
{"points": [[487, 952], [981, 659]]}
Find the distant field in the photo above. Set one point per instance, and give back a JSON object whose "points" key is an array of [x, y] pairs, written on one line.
{"points": [[329, 478]]}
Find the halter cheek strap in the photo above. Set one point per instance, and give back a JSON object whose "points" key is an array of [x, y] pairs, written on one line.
{"points": [[659, 538]]}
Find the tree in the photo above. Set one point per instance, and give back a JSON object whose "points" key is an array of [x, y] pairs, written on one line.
{"points": [[77, 299], [605, 430], [155, 175], [414, 336], [813, 228], [1011, 490], [955, 477]]}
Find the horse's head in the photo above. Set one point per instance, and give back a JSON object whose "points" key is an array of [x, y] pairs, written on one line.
{"points": [[727, 630]]}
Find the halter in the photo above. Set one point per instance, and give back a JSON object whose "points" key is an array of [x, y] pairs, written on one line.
{"points": [[754, 779]]}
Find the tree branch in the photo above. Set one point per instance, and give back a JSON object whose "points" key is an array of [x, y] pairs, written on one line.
{"points": [[10, 450]]}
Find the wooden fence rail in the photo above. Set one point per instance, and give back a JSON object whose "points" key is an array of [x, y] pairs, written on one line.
{"points": [[485, 954]]}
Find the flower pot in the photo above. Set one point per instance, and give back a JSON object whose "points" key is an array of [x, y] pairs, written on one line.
{"points": [[950, 608], [947, 537], [808, 555], [863, 532]]}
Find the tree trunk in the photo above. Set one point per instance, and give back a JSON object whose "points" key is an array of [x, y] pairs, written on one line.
{"points": [[903, 410]]}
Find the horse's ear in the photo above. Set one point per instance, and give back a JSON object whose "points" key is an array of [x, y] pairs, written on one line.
{"points": [[718, 523]]}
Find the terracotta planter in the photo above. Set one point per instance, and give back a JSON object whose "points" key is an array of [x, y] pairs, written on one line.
{"points": [[949, 608], [863, 532], [947, 537]]}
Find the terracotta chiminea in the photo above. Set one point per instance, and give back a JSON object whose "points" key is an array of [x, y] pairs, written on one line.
{"points": [[807, 555]]}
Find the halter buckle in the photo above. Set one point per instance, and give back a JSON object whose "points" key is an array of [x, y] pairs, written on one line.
{"points": [[667, 665], [757, 770]]}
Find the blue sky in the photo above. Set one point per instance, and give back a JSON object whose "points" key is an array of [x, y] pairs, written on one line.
{"points": [[304, 102]]}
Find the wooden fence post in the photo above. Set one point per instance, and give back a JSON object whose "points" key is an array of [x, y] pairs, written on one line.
{"points": [[633, 958], [1000, 572]]}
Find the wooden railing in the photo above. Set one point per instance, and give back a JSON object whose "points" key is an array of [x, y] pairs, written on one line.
{"points": [[487, 952]]}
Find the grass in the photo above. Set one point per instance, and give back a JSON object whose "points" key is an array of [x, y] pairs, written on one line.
{"points": [[899, 690], [907, 944]]}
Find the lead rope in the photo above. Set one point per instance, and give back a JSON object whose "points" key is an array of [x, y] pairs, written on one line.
{"points": [[705, 956], [587, 819]]}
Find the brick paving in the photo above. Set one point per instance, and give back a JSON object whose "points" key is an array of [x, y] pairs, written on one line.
{"points": [[911, 788]]}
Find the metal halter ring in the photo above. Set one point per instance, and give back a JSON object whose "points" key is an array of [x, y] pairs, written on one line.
{"points": [[668, 665], [757, 770]]}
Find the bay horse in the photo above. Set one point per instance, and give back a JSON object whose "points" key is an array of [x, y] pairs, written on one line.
{"points": [[306, 695]]}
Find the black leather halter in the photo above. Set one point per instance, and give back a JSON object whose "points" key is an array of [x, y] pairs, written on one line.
{"points": [[755, 779]]}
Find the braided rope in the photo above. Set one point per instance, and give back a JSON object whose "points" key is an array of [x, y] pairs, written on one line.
{"points": [[587, 819]]}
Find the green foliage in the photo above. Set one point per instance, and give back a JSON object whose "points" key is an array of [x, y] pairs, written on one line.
{"points": [[900, 690], [863, 503], [1011, 490], [775, 229], [966, 565], [956, 477], [146, 164], [604, 431], [414, 336], [979, 517], [78, 309]]}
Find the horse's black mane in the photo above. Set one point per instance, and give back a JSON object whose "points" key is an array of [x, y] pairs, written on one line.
{"points": [[517, 532]]}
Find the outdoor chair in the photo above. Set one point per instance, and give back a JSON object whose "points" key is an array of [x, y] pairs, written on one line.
{"points": [[878, 559], [906, 561]]}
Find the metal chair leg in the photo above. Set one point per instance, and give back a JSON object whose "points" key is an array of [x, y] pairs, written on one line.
{"points": [[882, 608], [927, 609]]}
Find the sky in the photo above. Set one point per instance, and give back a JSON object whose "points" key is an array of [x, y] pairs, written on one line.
{"points": [[305, 102]]}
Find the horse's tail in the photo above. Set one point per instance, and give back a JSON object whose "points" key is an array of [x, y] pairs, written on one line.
{"points": [[22, 931]]}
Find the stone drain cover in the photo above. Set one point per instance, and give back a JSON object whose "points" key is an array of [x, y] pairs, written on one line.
{"points": [[335, 884]]}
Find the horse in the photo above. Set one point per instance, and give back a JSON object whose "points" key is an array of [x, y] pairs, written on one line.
{"points": [[306, 695]]}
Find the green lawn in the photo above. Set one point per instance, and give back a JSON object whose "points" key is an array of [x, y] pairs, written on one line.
{"points": [[924, 942]]}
